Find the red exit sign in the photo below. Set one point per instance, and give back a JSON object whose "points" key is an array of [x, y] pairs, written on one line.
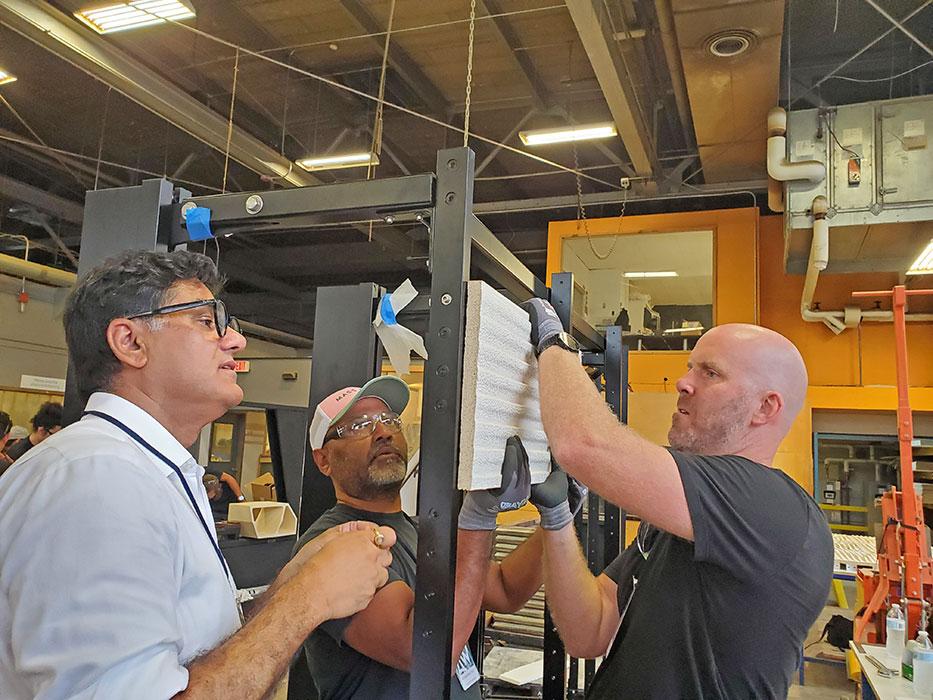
{"points": [[241, 366]]}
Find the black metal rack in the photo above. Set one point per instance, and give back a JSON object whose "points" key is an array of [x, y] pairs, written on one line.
{"points": [[347, 352]]}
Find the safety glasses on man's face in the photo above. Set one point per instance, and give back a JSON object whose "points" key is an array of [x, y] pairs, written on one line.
{"points": [[365, 425], [221, 320]]}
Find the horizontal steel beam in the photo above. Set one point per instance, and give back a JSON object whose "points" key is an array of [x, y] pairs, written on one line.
{"points": [[597, 198], [295, 208], [501, 264]]}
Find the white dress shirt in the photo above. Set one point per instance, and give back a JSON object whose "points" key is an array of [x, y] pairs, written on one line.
{"points": [[109, 584]]}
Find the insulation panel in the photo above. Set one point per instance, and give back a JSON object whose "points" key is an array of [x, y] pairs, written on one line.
{"points": [[499, 392]]}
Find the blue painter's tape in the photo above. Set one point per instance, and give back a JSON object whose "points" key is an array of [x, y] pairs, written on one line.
{"points": [[385, 307], [198, 221]]}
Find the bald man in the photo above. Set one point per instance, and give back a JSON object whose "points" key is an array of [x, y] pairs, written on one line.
{"points": [[733, 560]]}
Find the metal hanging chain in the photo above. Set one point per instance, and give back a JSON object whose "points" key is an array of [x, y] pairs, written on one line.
{"points": [[376, 146], [581, 211], [100, 141], [469, 76], [236, 73]]}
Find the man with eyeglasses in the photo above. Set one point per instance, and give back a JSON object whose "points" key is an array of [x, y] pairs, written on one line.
{"points": [[112, 583], [733, 560], [357, 441]]}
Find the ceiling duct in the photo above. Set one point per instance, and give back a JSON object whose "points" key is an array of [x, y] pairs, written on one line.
{"points": [[729, 51]]}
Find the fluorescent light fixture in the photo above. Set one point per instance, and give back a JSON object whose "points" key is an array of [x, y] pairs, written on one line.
{"points": [[685, 329], [585, 132], [644, 275], [6, 77], [348, 160], [923, 265], [120, 16]]}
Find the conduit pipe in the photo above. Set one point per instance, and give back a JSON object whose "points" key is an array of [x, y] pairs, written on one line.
{"points": [[851, 316], [17, 267], [779, 167]]}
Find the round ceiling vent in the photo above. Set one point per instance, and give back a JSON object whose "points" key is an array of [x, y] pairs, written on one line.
{"points": [[731, 43]]}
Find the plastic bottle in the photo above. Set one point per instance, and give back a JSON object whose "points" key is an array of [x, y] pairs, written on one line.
{"points": [[923, 666], [907, 660], [895, 628]]}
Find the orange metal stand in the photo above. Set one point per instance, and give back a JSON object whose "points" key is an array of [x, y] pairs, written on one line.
{"points": [[904, 566]]}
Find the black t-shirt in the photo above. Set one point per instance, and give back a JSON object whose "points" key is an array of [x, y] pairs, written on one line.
{"points": [[723, 616], [17, 449], [339, 671]]}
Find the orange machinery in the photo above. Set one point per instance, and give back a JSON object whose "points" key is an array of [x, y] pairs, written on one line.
{"points": [[904, 566]]}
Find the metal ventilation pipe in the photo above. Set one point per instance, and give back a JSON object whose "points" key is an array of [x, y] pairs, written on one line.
{"points": [[779, 167], [851, 316]]}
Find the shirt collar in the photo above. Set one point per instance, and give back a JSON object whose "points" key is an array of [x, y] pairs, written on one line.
{"points": [[147, 427]]}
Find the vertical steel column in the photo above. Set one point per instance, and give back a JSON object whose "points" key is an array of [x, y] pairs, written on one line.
{"points": [[554, 684], [346, 352], [440, 428], [615, 372], [118, 219]]}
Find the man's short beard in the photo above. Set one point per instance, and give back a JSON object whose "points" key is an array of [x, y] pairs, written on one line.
{"points": [[379, 481], [718, 434]]}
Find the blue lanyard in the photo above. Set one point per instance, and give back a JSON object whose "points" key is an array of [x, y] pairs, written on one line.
{"points": [[194, 504]]}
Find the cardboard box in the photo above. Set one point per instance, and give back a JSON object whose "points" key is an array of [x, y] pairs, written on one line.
{"points": [[263, 488], [262, 519]]}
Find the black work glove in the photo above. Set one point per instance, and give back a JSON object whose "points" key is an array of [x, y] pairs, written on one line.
{"points": [[544, 322], [480, 508], [558, 498]]}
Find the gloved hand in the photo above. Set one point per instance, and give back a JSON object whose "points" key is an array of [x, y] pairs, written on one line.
{"points": [[558, 498], [544, 321], [480, 508]]}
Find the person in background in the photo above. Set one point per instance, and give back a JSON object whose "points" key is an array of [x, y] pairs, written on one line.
{"points": [[6, 425], [220, 495], [46, 422]]}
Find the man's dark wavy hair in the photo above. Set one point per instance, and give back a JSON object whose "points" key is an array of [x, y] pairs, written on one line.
{"points": [[133, 282]]}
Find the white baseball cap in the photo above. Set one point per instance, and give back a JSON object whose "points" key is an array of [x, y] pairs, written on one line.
{"points": [[389, 389]]}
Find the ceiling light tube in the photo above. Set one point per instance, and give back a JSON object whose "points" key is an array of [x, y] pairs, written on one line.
{"points": [[583, 132], [347, 160], [643, 275], [132, 15], [6, 77], [923, 265]]}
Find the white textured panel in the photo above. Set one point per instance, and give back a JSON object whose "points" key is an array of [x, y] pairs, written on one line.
{"points": [[500, 390]]}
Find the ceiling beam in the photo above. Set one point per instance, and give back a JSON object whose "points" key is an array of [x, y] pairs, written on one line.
{"points": [[58, 33], [602, 50], [506, 32], [60, 208], [39, 153], [400, 60]]}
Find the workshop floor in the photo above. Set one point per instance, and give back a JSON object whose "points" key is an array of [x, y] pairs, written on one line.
{"points": [[825, 682]]}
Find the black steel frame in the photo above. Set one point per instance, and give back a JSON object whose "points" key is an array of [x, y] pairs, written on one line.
{"points": [[459, 241]]}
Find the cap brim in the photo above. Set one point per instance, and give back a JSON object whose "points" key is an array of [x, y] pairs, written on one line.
{"points": [[391, 390]]}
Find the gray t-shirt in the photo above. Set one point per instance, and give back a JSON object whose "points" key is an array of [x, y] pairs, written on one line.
{"points": [[723, 616], [339, 671]]}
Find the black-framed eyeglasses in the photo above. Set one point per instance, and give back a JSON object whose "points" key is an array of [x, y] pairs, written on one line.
{"points": [[222, 321], [365, 425]]}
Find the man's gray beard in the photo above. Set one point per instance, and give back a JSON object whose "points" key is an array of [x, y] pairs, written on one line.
{"points": [[715, 439], [382, 482]]}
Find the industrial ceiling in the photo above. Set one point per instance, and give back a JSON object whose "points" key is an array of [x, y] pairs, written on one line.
{"points": [[300, 78]]}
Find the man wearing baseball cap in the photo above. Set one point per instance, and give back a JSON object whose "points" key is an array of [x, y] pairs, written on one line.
{"points": [[356, 435]]}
